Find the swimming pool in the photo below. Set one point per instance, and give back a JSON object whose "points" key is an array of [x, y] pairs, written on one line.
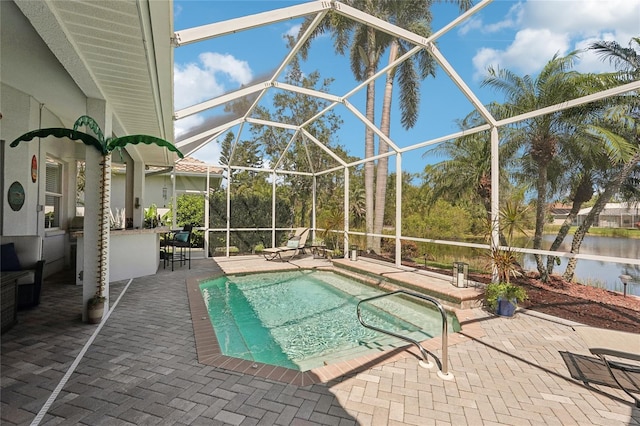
{"points": [[307, 319]]}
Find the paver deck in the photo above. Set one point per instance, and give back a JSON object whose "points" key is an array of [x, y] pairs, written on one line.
{"points": [[142, 368]]}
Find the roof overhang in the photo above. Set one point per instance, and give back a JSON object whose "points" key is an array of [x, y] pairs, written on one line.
{"points": [[120, 52]]}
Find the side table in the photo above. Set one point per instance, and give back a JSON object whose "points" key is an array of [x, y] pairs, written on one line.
{"points": [[9, 294]]}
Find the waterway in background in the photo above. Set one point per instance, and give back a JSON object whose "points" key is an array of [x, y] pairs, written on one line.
{"points": [[597, 273]]}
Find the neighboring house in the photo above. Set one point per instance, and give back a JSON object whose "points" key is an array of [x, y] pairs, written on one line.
{"points": [[614, 215], [190, 174], [559, 212]]}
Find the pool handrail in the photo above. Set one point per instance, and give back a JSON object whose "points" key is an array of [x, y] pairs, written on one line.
{"points": [[443, 373]]}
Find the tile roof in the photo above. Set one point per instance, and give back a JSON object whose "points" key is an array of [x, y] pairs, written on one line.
{"points": [[193, 165]]}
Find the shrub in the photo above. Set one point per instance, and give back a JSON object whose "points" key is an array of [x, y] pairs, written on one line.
{"points": [[505, 291]]}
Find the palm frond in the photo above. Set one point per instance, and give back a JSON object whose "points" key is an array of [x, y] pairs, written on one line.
{"points": [[61, 133], [85, 120], [146, 139]]}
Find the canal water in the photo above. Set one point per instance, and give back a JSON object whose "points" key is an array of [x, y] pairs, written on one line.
{"points": [[596, 273]]}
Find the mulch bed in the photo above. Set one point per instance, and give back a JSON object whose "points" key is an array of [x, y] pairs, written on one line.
{"points": [[572, 301]]}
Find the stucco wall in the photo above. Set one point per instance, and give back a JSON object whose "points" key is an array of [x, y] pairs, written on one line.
{"points": [[33, 86]]}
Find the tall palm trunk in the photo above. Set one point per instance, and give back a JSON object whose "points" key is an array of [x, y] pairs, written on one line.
{"points": [[543, 149], [584, 192], [541, 205], [383, 163], [610, 189], [369, 150]]}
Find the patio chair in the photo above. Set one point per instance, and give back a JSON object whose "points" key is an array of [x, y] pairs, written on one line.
{"points": [[178, 246], [611, 346], [24, 253], [295, 245]]}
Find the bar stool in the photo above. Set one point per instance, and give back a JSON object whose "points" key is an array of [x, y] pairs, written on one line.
{"points": [[178, 247]]}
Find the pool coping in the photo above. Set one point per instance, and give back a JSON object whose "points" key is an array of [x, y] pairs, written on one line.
{"points": [[209, 352]]}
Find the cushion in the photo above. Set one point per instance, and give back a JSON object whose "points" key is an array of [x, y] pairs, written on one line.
{"points": [[293, 242], [8, 258], [30, 278], [182, 237]]}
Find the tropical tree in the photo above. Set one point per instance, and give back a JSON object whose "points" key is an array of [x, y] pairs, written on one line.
{"points": [[618, 130], [245, 154], [541, 136], [366, 45], [416, 17], [295, 152], [465, 174]]}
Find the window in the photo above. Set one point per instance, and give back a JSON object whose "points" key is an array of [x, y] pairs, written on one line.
{"points": [[53, 194]]}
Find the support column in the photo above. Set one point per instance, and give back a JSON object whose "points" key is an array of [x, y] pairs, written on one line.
{"points": [[138, 177], [398, 224], [346, 212], [207, 206], [495, 195], [274, 177], [314, 197], [130, 196]]}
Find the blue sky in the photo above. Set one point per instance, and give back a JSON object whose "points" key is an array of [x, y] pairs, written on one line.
{"points": [[518, 35]]}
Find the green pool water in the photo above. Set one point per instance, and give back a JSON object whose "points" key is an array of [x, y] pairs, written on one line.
{"points": [[306, 319]]}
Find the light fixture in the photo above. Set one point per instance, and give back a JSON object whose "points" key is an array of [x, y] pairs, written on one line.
{"points": [[460, 274], [625, 280]]}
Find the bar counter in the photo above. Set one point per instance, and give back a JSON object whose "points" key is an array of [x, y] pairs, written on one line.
{"points": [[132, 253]]}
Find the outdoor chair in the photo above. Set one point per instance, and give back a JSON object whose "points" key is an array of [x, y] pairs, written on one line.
{"points": [[611, 346], [178, 247], [295, 245], [24, 253]]}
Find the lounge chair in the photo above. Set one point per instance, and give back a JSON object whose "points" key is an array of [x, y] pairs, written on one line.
{"points": [[294, 246], [610, 346]]}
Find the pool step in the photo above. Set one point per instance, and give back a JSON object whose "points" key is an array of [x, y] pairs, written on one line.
{"points": [[380, 344], [389, 276]]}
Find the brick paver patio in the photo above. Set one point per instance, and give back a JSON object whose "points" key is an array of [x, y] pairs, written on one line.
{"points": [[142, 368]]}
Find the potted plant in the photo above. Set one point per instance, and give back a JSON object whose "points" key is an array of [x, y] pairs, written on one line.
{"points": [[503, 297], [95, 308]]}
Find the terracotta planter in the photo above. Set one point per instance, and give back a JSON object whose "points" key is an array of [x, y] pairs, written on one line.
{"points": [[94, 313]]}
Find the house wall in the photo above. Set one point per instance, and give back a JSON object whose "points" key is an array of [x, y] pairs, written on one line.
{"points": [[152, 191], [26, 102]]}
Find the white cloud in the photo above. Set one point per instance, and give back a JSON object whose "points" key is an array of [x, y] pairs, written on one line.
{"points": [[192, 84], [293, 31], [210, 153], [546, 27], [510, 20], [196, 82], [236, 70], [183, 125], [469, 25], [530, 50], [584, 17]]}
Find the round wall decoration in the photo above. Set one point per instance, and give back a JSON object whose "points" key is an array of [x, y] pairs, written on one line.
{"points": [[16, 196], [34, 169]]}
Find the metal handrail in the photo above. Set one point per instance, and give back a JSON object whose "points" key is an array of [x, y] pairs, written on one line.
{"points": [[443, 373]]}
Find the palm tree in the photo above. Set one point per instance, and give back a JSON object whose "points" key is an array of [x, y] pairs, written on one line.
{"points": [[541, 136], [415, 16], [466, 172], [619, 131], [366, 45]]}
